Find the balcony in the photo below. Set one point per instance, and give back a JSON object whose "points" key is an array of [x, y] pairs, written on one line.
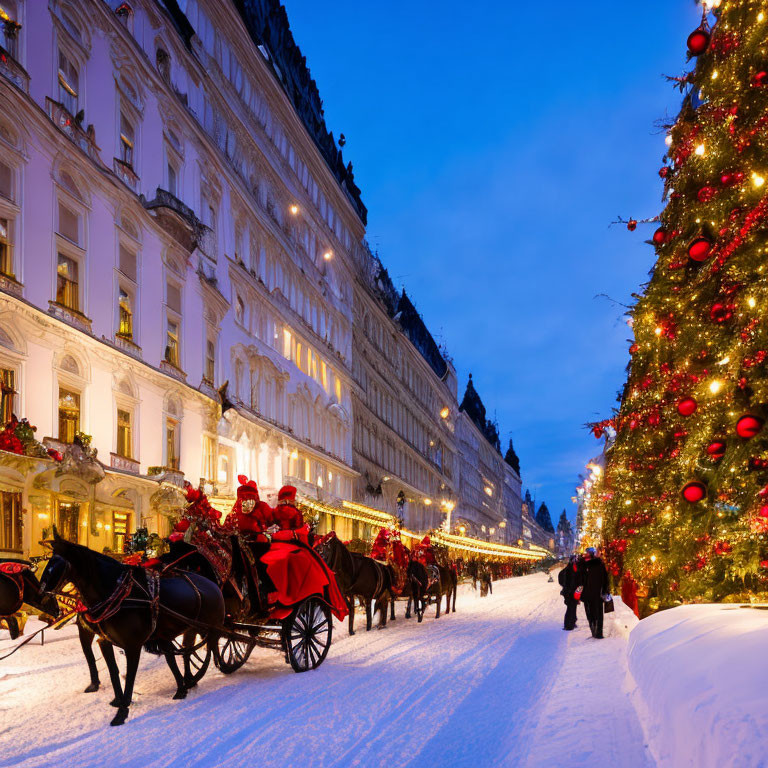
{"points": [[124, 464], [180, 222], [13, 71], [127, 345], [124, 171], [172, 370], [64, 121], [10, 284], [71, 316]]}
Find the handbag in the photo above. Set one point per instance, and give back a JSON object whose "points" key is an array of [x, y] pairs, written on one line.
{"points": [[608, 604]]}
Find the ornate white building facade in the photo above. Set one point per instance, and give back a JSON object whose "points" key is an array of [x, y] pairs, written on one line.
{"points": [[177, 262]]}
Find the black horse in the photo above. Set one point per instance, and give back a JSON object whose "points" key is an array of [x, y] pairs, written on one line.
{"points": [[415, 588], [128, 608], [358, 576], [21, 587], [443, 581]]}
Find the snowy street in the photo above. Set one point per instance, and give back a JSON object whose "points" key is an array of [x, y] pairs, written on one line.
{"points": [[498, 683]]}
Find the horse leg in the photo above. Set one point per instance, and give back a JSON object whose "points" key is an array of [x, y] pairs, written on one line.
{"points": [[455, 590], [86, 643], [448, 601], [108, 652], [392, 616], [170, 660], [188, 641], [383, 610], [351, 606], [131, 665], [439, 602], [368, 616], [408, 609]]}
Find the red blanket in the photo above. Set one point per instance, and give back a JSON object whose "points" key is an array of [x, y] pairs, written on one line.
{"points": [[298, 572]]}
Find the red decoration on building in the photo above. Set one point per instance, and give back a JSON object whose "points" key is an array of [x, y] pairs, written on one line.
{"points": [[748, 426], [687, 406], [694, 491]]}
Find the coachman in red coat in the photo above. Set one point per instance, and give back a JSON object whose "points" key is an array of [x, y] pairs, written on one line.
{"points": [[286, 514], [250, 514]]}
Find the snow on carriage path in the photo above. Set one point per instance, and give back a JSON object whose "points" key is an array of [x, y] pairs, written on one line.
{"points": [[498, 683]]}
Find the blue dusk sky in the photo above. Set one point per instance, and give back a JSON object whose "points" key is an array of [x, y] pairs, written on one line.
{"points": [[494, 143]]}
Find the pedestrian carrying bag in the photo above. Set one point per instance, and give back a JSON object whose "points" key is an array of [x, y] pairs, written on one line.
{"points": [[608, 606]]}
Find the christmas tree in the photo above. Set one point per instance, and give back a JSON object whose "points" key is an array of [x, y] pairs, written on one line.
{"points": [[683, 503]]}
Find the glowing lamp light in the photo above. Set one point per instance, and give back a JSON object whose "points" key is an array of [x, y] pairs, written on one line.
{"points": [[757, 180], [761, 16], [653, 558], [748, 426], [751, 302], [668, 140], [294, 209], [294, 455], [715, 386], [658, 330], [694, 491], [700, 150], [427, 501], [328, 255], [445, 412]]}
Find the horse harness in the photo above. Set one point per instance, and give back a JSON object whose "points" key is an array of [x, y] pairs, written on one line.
{"points": [[15, 573]]}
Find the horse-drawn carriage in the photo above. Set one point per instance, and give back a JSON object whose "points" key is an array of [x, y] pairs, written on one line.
{"points": [[217, 594]]}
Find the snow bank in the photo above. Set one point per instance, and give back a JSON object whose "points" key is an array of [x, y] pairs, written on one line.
{"points": [[702, 685]]}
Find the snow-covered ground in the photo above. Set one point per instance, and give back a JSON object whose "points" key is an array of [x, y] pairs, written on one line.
{"points": [[496, 684], [702, 682]]}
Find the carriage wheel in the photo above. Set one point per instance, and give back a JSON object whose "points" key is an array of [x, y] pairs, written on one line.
{"points": [[307, 634], [195, 648], [232, 654]]}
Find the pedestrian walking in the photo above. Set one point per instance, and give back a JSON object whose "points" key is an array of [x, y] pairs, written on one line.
{"points": [[568, 578], [594, 588]]}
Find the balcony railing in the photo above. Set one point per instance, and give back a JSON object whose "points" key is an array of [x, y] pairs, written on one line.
{"points": [[63, 119], [126, 174], [71, 316], [13, 71], [180, 221]]}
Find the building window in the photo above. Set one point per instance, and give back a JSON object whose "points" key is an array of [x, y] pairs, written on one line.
{"points": [[172, 180], [67, 284], [6, 249], [69, 84], [9, 29], [239, 310], [7, 394], [69, 415], [67, 520], [120, 521], [127, 140], [69, 224], [125, 315], [6, 181], [10, 522], [210, 361], [128, 263], [172, 444], [209, 458], [124, 434], [172, 343]]}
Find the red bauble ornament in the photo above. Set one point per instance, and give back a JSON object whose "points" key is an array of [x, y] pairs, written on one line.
{"points": [[760, 79], [664, 172], [716, 449], [720, 312], [764, 563], [699, 249], [632, 225], [694, 491], [687, 406], [748, 426], [705, 194], [698, 41], [660, 236], [763, 511]]}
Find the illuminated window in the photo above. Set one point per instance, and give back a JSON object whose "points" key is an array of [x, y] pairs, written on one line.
{"points": [[120, 523], [124, 434], [287, 344], [67, 284], [10, 522], [69, 415], [9, 29], [6, 249], [172, 342], [8, 394], [209, 458], [172, 430], [337, 383], [127, 140], [6, 181], [69, 84], [125, 315]]}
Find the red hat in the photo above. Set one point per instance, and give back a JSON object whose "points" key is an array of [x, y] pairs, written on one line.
{"points": [[247, 489], [287, 493]]}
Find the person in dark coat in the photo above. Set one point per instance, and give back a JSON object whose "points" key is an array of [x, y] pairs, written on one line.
{"points": [[594, 586], [568, 578]]}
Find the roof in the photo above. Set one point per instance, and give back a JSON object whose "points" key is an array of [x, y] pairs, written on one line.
{"points": [[473, 406], [415, 329]]}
